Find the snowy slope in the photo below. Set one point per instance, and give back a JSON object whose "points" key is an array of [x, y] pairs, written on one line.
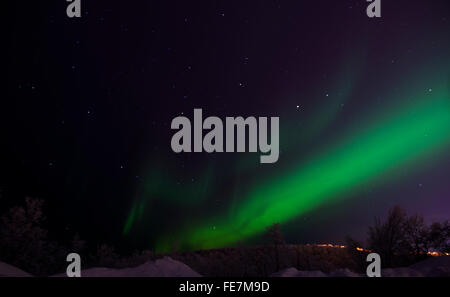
{"points": [[433, 267], [165, 267], [7, 270], [292, 272]]}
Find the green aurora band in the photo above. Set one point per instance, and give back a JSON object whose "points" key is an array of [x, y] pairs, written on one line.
{"points": [[412, 132]]}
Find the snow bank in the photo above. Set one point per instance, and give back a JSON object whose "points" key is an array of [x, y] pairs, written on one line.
{"points": [[344, 273], [165, 267], [400, 272], [7, 270], [433, 267], [293, 272]]}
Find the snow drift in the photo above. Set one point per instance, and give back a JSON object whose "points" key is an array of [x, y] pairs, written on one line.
{"points": [[165, 267], [7, 270], [293, 272], [433, 267]]}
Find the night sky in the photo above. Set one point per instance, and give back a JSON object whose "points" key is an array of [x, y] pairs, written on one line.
{"points": [[363, 104]]}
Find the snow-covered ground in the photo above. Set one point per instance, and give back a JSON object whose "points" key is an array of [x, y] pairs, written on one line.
{"points": [[292, 272], [165, 267], [7, 270], [433, 267]]}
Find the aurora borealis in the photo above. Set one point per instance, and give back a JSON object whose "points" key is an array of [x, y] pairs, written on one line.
{"points": [[403, 137], [363, 107]]}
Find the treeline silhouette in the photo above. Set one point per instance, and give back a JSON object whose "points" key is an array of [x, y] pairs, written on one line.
{"points": [[400, 240]]}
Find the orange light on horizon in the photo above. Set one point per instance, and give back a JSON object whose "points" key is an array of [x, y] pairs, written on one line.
{"points": [[360, 249]]}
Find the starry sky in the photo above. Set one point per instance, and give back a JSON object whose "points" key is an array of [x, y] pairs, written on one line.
{"points": [[364, 109]]}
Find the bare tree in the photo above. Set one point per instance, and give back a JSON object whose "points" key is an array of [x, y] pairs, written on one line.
{"points": [[105, 256], [439, 236], [407, 238], [23, 240], [274, 235], [388, 238], [416, 235]]}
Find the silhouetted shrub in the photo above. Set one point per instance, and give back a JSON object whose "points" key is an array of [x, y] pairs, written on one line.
{"points": [[401, 240], [24, 241]]}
